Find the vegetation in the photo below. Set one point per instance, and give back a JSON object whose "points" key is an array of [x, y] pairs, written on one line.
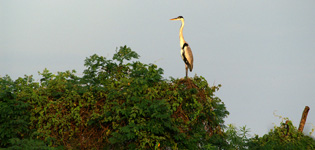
{"points": [[286, 136], [123, 104]]}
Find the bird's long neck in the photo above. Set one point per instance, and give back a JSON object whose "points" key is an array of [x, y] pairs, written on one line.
{"points": [[181, 37]]}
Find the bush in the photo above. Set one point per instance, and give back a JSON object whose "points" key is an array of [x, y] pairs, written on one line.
{"points": [[14, 108], [116, 104], [286, 136], [120, 103], [283, 137]]}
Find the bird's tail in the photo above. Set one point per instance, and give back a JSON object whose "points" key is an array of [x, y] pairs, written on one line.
{"points": [[190, 67]]}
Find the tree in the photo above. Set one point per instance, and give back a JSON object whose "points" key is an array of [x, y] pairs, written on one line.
{"points": [[116, 104]]}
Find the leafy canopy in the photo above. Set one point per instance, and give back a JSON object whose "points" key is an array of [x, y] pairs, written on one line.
{"points": [[118, 103], [121, 103]]}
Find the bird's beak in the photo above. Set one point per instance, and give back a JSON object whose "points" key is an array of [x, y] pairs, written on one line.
{"points": [[174, 19]]}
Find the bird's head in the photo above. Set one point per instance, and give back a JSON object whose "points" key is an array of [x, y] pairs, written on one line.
{"points": [[178, 18]]}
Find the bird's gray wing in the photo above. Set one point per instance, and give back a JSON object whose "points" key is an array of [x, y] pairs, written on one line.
{"points": [[189, 57]]}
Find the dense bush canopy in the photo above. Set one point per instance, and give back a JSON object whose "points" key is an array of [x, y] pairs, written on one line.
{"points": [[121, 103], [116, 104]]}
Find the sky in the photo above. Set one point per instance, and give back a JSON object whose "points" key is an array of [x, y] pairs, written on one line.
{"points": [[261, 52]]}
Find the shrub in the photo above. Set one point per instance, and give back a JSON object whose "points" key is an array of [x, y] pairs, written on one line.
{"points": [[116, 104], [14, 108], [286, 136]]}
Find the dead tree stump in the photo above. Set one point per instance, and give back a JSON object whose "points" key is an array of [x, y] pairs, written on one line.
{"points": [[303, 119]]}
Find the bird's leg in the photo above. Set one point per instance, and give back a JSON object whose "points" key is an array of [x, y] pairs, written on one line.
{"points": [[186, 71]]}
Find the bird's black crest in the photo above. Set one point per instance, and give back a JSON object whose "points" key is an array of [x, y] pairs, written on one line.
{"points": [[180, 17]]}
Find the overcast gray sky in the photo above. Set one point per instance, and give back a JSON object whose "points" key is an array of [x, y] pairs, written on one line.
{"points": [[262, 52]]}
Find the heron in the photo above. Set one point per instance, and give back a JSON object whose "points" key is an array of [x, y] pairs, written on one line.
{"points": [[185, 51]]}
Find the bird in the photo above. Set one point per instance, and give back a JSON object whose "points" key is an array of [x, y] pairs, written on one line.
{"points": [[185, 51]]}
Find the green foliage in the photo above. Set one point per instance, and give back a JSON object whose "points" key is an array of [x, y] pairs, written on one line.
{"points": [[116, 104], [286, 136], [14, 96], [120, 103], [237, 138], [28, 144]]}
